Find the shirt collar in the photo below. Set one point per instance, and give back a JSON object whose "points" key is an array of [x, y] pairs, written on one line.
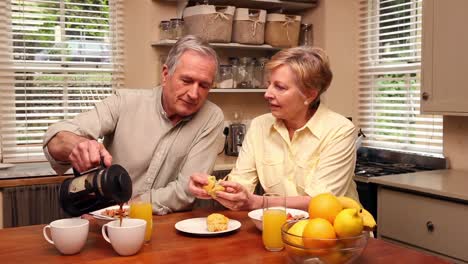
{"points": [[312, 125], [318, 118]]}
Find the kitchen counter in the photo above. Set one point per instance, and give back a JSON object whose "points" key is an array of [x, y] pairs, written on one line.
{"points": [[42, 173], [446, 183], [43, 169], [28, 170], [224, 162], [26, 244]]}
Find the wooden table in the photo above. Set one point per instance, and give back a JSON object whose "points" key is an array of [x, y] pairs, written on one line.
{"points": [[27, 245]]}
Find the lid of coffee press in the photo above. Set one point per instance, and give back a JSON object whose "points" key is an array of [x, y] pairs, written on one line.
{"points": [[117, 184]]}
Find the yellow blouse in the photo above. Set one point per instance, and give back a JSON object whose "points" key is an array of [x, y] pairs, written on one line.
{"points": [[319, 158]]}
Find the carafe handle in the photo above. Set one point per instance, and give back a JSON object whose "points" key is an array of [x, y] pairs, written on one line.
{"points": [[102, 165]]}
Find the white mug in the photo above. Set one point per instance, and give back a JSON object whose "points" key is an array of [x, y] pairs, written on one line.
{"points": [[67, 235], [126, 239]]}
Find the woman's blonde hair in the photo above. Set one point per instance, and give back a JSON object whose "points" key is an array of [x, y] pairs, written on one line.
{"points": [[309, 64]]}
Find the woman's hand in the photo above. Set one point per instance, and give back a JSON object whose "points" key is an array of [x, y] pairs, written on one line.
{"points": [[196, 183], [236, 197]]}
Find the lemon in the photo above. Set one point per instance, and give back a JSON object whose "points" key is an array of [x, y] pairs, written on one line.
{"points": [[297, 229], [348, 223]]}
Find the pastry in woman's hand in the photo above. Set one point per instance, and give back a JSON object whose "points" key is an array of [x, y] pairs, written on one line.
{"points": [[213, 186]]}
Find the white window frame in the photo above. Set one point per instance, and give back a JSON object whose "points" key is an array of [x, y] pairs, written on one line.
{"points": [[389, 108], [36, 90]]}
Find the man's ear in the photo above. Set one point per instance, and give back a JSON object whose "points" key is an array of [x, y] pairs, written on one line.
{"points": [[165, 74]]}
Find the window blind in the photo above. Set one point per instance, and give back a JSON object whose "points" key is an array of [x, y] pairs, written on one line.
{"points": [[57, 59], [389, 78]]}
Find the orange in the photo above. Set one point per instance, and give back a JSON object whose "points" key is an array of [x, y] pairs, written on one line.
{"points": [[325, 206], [319, 234]]}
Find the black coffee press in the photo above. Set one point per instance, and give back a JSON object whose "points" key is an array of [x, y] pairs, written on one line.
{"points": [[95, 189]]}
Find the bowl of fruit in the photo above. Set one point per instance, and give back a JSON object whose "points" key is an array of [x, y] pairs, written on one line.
{"points": [[337, 231]]}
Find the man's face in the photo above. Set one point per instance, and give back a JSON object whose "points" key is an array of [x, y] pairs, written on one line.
{"points": [[185, 90]]}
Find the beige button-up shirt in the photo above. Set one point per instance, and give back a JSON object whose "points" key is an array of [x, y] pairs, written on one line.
{"points": [[319, 158], [158, 155]]}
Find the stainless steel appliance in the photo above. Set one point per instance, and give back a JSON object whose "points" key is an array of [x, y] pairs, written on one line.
{"points": [[235, 138], [373, 162]]}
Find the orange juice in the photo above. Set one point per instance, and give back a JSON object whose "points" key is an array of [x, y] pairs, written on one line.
{"points": [[143, 210], [273, 219]]}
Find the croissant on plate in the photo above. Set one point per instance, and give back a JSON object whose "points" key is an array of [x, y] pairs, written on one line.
{"points": [[217, 222]]}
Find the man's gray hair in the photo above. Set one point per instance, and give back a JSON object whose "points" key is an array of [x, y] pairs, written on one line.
{"points": [[186, 43]]}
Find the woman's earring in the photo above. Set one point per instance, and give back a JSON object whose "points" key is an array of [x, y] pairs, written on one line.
{"points": [[306, 102]]}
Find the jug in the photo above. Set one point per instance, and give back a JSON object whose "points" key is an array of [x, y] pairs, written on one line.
{"points": [[95, 189]]}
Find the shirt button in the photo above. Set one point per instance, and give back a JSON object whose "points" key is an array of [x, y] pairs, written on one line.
{"points": [[149, 180]]}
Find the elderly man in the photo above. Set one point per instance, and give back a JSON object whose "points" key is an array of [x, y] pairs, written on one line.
{"points": [[161, 136]]}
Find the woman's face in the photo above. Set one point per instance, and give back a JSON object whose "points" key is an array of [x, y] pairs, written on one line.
{"points": [[285, 98]]}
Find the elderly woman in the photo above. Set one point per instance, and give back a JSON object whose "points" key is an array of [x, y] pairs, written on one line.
{"points": [[301, 148]]}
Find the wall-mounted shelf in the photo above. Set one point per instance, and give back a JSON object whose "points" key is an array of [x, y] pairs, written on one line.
{"points": [[169, 43], [224, 90], [269, 5]]}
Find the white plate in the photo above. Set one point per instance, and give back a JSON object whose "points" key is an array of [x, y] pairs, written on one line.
{"points": [[97, 214], [197, 226], [6, 166]]}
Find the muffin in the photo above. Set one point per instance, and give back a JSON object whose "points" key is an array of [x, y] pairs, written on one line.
{"points": [[217, 222], [213, 186]]}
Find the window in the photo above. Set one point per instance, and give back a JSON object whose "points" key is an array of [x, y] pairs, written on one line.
{"points": [[389, 78], [57, 59]]}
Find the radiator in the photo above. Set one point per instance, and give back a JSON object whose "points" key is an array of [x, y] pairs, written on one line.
{"points": [[31, 205]]}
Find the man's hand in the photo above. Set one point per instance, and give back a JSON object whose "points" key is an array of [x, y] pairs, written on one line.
{"points": [[87, 155], [197, 181], [81, 152]]}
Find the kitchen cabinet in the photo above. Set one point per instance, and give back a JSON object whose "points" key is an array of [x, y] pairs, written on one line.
{"points": [[444, 57], [420, 221], [425, 210]]}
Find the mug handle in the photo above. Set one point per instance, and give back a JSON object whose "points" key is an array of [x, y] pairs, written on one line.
{"points": [[47, 236], [104, 233]]}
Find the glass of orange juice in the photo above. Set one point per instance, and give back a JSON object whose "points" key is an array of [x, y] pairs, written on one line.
{"points": [[141, 208], [274, 216]]}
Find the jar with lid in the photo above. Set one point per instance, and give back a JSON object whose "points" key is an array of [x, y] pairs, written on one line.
{"points": [[177, 28], [306, 37], [259, 73], [244, 74], [234, 62], [164, 30], [225, 77]]}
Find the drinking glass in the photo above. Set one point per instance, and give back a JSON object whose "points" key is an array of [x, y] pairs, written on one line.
{"points": [[141, 208], [274, 216]]}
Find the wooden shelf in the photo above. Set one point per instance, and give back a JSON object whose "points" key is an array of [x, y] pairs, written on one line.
{"points": [[223, 90], [269, 5], [169, 43]]}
